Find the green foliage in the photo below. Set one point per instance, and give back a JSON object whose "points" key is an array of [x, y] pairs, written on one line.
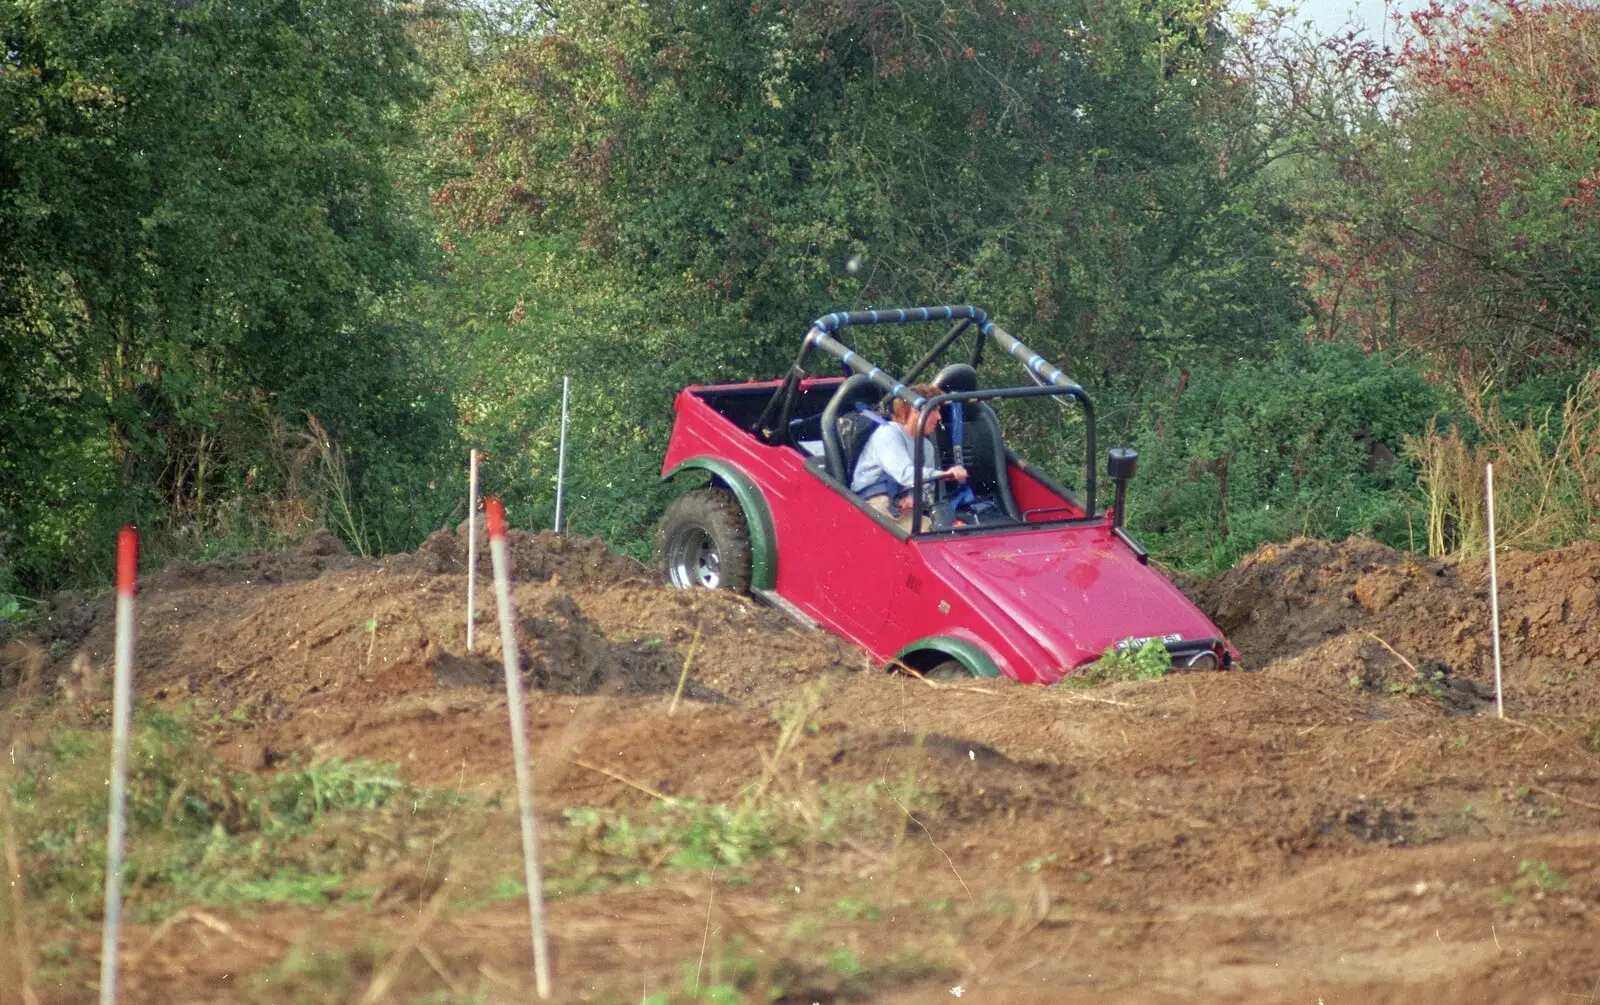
{"points": [[1536, 876], [609, 847], [1428, 682], [1237, 454], [731, 156], [11, 610], [221, 317], [1147, 662], [844, 962], [1035, 864], [196, 831], [521, 314], [644, 197], [852, 909], [307, 974], [1533, 872]]}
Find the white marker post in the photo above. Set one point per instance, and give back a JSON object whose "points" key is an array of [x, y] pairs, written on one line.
{"points": [[1494, 591], [121, 715], [496, 514], [472, 544], [561, 456]]}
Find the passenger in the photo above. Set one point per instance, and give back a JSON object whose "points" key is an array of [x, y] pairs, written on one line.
{"points": [[884, 472]]}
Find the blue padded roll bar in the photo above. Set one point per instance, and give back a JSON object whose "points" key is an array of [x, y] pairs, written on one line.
{"points": [[830, 323], [850, 358]]}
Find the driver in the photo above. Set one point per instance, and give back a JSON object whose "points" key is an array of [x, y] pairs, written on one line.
{"points": [[884, 473]]}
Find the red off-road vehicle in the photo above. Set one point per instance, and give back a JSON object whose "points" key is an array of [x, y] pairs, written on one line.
{"points": [[1020, 575]]}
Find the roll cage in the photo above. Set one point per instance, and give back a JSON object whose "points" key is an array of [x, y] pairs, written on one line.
{"points": [[773, 425]]}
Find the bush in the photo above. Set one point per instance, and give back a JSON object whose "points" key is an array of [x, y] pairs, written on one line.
{"points": [[1149, 661], [1305, 442]]}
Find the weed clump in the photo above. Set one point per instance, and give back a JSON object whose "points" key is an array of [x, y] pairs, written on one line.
{"points": [[1118, 663], [197, 831], [609, 847], [1535, 877]]}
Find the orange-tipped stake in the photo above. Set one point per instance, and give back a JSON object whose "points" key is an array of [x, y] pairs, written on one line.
{"points": [[121, 714], [519, 741], [472, 546]]}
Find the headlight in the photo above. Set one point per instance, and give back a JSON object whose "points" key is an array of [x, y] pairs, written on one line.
{"points": [[1206, 660]]}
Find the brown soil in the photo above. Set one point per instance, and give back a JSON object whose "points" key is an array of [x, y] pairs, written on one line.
{"points": [[1345, 821], [1360, 612]]}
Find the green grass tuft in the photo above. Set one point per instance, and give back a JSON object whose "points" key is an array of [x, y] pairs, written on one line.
{"points": [[198, 832]]}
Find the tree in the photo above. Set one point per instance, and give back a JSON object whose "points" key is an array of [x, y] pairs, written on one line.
{"points": [[1463, 221], [196, 219], [1062, 163]]}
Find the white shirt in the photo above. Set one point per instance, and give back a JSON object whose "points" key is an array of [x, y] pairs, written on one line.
{"points": [[888, 452]]}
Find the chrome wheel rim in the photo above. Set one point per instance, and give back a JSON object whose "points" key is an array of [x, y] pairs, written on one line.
{"points": [[693, 560]]}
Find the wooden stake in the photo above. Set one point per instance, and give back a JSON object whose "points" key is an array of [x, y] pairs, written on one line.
{"points": [[519, 741], [1494, 591], [561, 459]]}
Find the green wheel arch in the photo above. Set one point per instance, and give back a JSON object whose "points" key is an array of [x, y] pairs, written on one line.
{"points": [[763, 540], [968, 654]]}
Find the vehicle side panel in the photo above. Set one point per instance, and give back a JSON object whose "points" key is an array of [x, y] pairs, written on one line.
{"points": [[835, 562]]}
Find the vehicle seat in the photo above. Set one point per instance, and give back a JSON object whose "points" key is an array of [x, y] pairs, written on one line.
{"points": [[845, 430], [983, 450], [804, 430]]}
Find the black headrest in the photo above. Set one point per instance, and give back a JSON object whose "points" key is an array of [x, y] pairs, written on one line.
{"points": [[857, 389], [957, 377]]}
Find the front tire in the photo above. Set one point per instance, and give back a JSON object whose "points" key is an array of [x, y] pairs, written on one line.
{"points": [[932, 666], [703, 541], [948, 670]]}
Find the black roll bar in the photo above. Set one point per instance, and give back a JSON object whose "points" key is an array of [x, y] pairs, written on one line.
{"points": [[820, 337], [1041, 391], [938, 347], [1052, 382]]}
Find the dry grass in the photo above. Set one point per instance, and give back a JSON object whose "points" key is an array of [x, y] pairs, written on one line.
{"points": [[1547, 476], [316, 455]]}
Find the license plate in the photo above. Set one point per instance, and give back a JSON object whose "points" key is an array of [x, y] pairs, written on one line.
{"points": [[1127, 644]]}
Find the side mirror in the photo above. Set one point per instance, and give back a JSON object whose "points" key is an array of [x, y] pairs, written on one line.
{"points": [[1121, 463]]}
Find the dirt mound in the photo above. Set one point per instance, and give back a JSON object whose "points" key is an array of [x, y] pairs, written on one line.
{"points": [[1373, 617], [300, 649], [535, 555], [1328, 826]]}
